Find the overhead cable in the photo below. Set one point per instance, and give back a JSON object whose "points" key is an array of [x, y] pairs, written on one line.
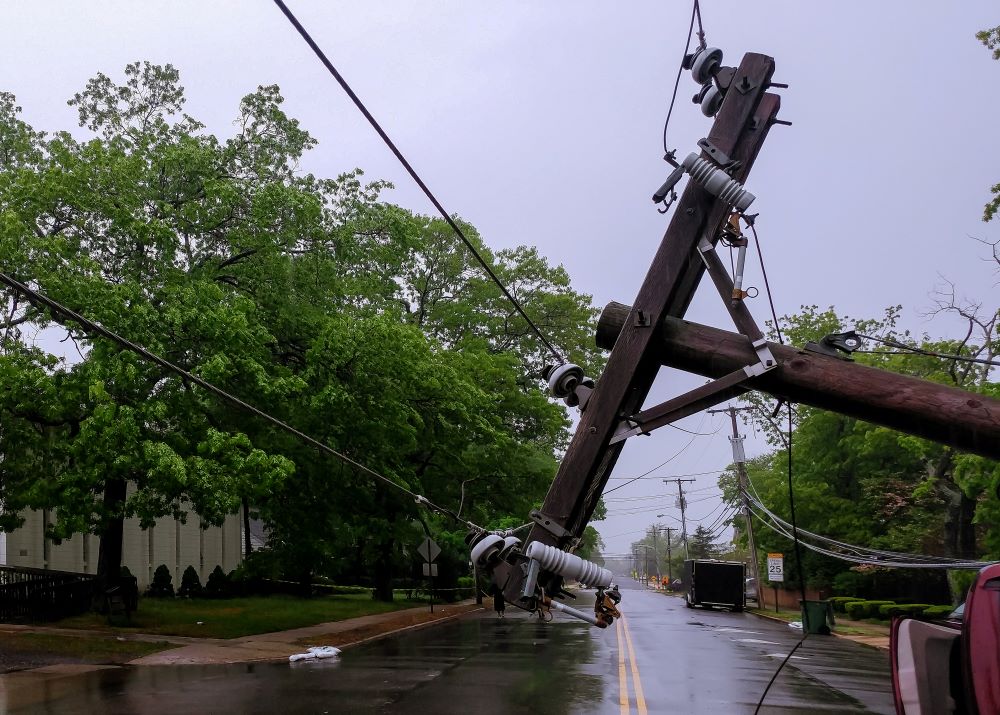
{"points": [[41, 300], [695, 14], [920, 351], [416, 177]]}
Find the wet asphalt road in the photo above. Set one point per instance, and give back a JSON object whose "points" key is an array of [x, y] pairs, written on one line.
{"points": [[663, 656]]}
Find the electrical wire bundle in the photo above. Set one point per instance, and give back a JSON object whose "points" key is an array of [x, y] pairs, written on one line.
{"points": [[852, 552]]}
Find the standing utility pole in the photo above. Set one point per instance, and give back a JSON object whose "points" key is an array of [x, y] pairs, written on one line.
{"points": [[670, 555], [656, 554], [739, 459], [683, 503]]}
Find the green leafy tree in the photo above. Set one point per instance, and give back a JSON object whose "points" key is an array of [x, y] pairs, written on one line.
{"points": [[991, 39], [349, 317], [870, 485]]}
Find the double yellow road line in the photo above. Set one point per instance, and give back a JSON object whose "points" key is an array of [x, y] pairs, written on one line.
{"points": [[624, 698]]}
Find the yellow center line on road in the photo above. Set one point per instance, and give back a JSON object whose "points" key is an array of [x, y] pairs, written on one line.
{"points": [[623, 699], [640, 701]]}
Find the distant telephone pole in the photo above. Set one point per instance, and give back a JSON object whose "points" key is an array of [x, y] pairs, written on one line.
{"points": [[683, 503], [670, 555], [739, 459]]}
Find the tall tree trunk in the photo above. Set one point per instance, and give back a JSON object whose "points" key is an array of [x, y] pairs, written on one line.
{"points": [[109, 559], [966, 528], [383, 571]]}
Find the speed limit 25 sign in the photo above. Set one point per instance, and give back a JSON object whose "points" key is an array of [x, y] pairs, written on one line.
{"points": [[775, 567]]}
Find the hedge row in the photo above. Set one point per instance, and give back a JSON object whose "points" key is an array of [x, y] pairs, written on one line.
{"points": [[857, 608]]}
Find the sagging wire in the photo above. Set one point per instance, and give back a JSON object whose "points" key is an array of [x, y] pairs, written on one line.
{"points": [[695, 12], [41, 300], [798, 559], [661, 464], [767, 285], [416, 177], [861, 555], [903, 349]]}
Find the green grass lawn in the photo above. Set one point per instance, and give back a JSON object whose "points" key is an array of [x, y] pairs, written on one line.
{"points": [[844, 625], [235, 617], [91, 649]]}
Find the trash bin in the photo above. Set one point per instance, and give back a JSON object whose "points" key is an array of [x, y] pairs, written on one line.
{"points": [[817, 617]]}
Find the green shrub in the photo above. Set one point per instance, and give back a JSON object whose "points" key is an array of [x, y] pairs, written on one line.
{"points": [[838, 602], [960, 582], [937, 611], [902, 609], [190, 584], [865, 609], [855, 609], [872, 608], [218, 584], [162, 586], [851, 582]]}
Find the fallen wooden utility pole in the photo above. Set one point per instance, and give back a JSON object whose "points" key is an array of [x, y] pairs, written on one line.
{"points": [[964, 420], [738, 133]]}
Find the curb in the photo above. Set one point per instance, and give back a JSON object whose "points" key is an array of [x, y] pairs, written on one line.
{"points": [[841, 636], [414, 627]]}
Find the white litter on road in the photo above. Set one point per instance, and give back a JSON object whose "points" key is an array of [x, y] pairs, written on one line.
{"points": [[316, 653], [795, 624]]}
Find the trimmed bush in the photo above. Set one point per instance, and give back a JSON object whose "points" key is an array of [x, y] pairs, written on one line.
{"points": [[865, 609], [190, 584], [162, 586], [838, 602], [902, 609], [855, 609], [937, 611], [218, 584]]}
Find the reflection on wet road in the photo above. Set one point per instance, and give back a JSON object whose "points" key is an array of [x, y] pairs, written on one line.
{"points": [[664, 658]]}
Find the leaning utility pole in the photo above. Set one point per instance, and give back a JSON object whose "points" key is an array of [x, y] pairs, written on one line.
{"points": [[739, 459], [652, 333], [741, 125], [683, 505], [812, 376]]}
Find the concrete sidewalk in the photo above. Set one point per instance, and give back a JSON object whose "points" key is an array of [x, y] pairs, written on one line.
{"points": [[281, 644]]}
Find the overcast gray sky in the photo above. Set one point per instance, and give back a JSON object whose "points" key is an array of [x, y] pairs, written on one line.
{"points": [[541, 124]]}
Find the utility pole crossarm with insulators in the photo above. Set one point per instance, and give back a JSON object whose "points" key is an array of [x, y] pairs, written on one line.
{"points": [[738, 133]]}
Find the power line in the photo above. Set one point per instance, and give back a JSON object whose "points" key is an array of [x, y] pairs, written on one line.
{"points": [[920, 351], [767, 284], [413, 174], [680, 70], [695, 15], [57, 308], [861, 554], [692, 474], [795, 540], [661, 464]]}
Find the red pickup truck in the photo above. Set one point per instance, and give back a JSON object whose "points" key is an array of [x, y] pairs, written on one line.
{"points": [[953, 665]]}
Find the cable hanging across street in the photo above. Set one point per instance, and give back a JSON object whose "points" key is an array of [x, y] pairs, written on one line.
{"points": [[43, 301], [416, 177]]}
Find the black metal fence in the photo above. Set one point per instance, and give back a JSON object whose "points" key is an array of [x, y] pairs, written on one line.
{"points": [[39, 595]]}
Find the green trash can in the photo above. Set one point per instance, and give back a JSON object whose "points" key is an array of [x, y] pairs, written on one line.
{"points": [[817, 617]]}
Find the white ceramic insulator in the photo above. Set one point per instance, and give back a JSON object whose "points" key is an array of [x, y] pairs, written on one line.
{"points": [[569, 566], [717, 182], [485, 548]]}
